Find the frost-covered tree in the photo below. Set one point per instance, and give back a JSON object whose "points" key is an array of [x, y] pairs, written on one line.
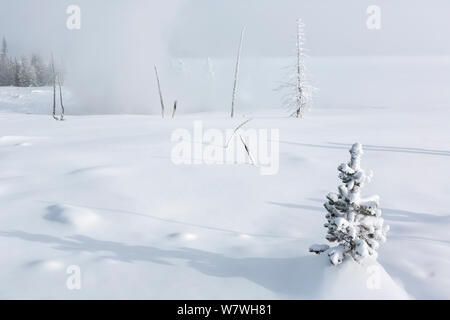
{"points": [[11, 72], [5, 71], [16, 71], [40, 70], [298, 92], [4, 51], [26, 75], [49, 73], [26, 72], [354, 223], [32, 76]]}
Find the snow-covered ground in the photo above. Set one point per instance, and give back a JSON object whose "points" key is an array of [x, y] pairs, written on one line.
{"points": [[36, 100], [101, 192]]}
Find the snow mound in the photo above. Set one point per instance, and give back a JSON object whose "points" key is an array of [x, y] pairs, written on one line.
{"points": [[15, 140], [98, 171], [79, 218], [353, 280], [46, 265], [183, 236]]}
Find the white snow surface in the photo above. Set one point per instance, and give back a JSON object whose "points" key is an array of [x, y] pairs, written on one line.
{"points": [[36, 100], [102, 193]]}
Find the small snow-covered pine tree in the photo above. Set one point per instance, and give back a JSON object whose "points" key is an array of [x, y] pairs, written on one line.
{"points": [[354, 223]]}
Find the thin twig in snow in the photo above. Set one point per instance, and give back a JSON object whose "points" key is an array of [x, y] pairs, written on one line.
{"points": [[174, 109], [235, 130], [248, 151]]}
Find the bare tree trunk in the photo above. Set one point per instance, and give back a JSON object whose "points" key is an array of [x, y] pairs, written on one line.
{"points": [[160, 93], [236, 75], [61, 99], [174, 109], [54, 89], [299, 70]]}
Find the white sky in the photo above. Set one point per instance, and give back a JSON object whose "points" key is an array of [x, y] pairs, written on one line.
{"points": [[210, 27]]}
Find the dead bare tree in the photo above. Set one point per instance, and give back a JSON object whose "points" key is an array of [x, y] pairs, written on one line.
{"points": [[54, 88], [236, 74], [160, 93], [56, 75], [61, 97], [174, 109]]}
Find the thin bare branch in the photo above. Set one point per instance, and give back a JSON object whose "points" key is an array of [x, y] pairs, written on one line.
{"points": [[160, 93], [235, 130], [236, 75], [248, 151]]}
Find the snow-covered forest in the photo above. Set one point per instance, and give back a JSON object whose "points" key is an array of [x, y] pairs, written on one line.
{"points": [[23, 71], [224, 150]]}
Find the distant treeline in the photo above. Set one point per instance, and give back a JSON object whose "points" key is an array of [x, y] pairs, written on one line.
{"points": [[24, 72]]}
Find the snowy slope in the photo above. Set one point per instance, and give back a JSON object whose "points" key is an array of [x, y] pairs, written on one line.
{"points": [[101, 192]]}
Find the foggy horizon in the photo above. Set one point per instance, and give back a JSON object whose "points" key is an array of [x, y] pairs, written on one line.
{"points": [[110, 59]]}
